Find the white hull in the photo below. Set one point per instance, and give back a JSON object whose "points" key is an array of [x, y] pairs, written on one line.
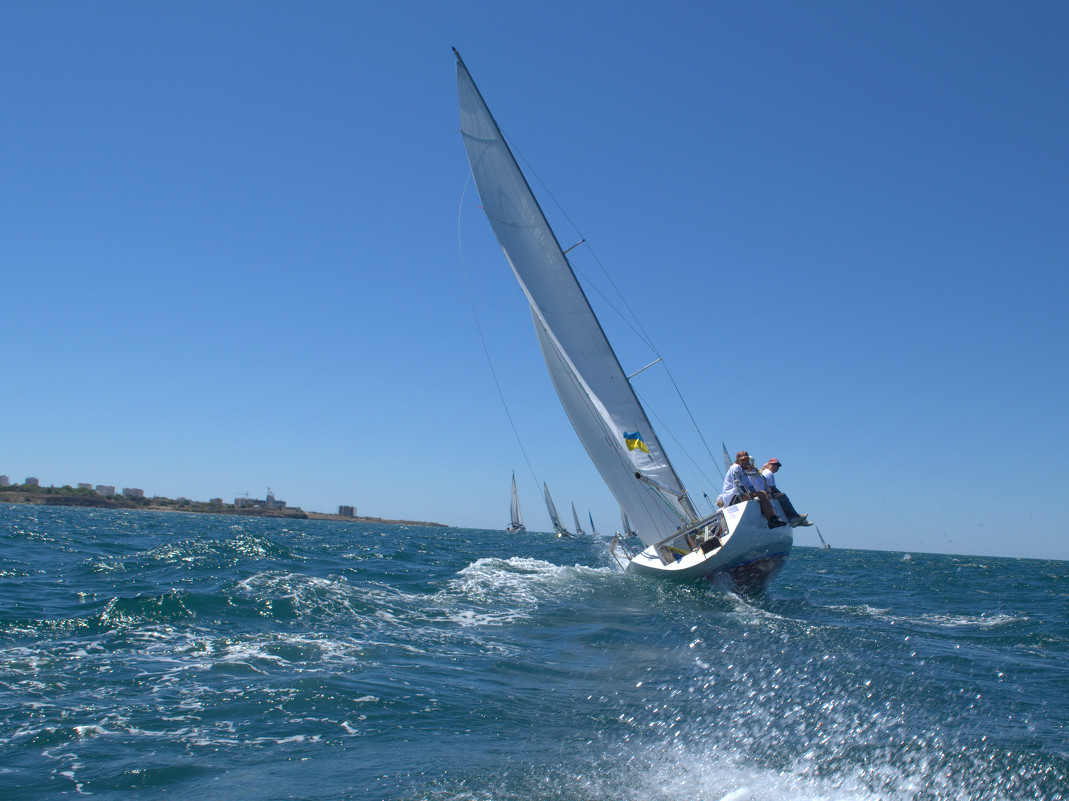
{"points": [[516, 530], [735, 544]]}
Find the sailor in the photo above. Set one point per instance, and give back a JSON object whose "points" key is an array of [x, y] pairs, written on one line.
{"points": [[769, 471], [737, 488], [753, 475]]}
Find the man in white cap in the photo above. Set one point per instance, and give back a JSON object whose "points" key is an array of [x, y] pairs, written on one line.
{"points": [[769, 471]]}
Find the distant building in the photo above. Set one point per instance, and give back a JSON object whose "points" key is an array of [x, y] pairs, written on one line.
{"points": [[133, 492], [33, 482], [5, 481], [103, 489], [216, 501], [271, 503], [347, 511], [85, 486]]}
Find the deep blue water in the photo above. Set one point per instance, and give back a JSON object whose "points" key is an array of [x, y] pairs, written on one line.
{"points": [[191, 656]]}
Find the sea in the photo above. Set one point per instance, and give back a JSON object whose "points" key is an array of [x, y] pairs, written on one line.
{"points": [[190, 656]]}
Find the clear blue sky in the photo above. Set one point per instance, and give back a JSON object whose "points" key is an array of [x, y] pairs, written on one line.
{"points": [[237, 244]]}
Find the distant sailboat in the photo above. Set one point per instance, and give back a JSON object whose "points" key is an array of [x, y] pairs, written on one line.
{"points": [[593, 530], [516, 526], [578, 528], [553, 516], [596, 392], [822, 539]]}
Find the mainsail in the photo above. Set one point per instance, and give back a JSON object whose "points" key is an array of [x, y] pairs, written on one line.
{"points": [[515, 506], [591, 384], [553, 516], [575, 516]]}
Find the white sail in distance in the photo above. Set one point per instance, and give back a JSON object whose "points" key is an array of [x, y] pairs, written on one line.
{"points": [[591, 384], [553, 516], [575, 516], [514, 507]]}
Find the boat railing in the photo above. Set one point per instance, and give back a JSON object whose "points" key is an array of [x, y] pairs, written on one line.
{"points": [[619, 542]]}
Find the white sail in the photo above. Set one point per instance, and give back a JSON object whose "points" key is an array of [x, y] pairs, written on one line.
{"points": [[514, 507], [654, 513], [575, 516], [628, 531], [737, 541], [553, 516], [592, 386]]}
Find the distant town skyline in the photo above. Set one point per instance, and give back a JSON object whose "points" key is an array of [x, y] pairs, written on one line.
{"points": [[269, 500]]}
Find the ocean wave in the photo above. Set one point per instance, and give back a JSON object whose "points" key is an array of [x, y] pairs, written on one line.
{"points": [[934, 620], [525, 580]]}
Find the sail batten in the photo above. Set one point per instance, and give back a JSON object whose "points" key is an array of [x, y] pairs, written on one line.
{"points": [[592, 386]]}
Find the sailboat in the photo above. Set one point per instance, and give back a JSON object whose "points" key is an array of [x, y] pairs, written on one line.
{"points": [[575, 517], [593, 528], [516, 526], [596, 393], [553, 516], [822, 539]]}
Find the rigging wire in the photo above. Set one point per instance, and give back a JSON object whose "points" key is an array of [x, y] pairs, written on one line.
{"points": [[478, 326], [631, 320]]}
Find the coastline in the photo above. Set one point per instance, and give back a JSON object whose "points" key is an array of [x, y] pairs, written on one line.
{"points": [[194, 507]]}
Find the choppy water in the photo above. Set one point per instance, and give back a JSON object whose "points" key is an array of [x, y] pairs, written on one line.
{"points": [[190, 656]]}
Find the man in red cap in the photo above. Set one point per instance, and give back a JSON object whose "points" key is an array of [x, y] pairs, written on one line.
{"points": [[737, 488], [769, 472]]}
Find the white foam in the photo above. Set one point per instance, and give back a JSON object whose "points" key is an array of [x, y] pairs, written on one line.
{"points": [[982, 620], [682, 771]]}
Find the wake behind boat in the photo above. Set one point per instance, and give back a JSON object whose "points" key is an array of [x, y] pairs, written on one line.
{"points": [[597, 394]]}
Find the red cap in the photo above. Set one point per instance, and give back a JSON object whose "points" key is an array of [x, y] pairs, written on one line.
{"points": [[775, 462]]}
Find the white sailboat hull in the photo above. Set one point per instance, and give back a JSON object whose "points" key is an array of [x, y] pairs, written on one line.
{"points": [[734, 545]]}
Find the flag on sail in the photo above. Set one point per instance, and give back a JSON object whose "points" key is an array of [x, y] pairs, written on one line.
{"points": [[635, 442]]}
